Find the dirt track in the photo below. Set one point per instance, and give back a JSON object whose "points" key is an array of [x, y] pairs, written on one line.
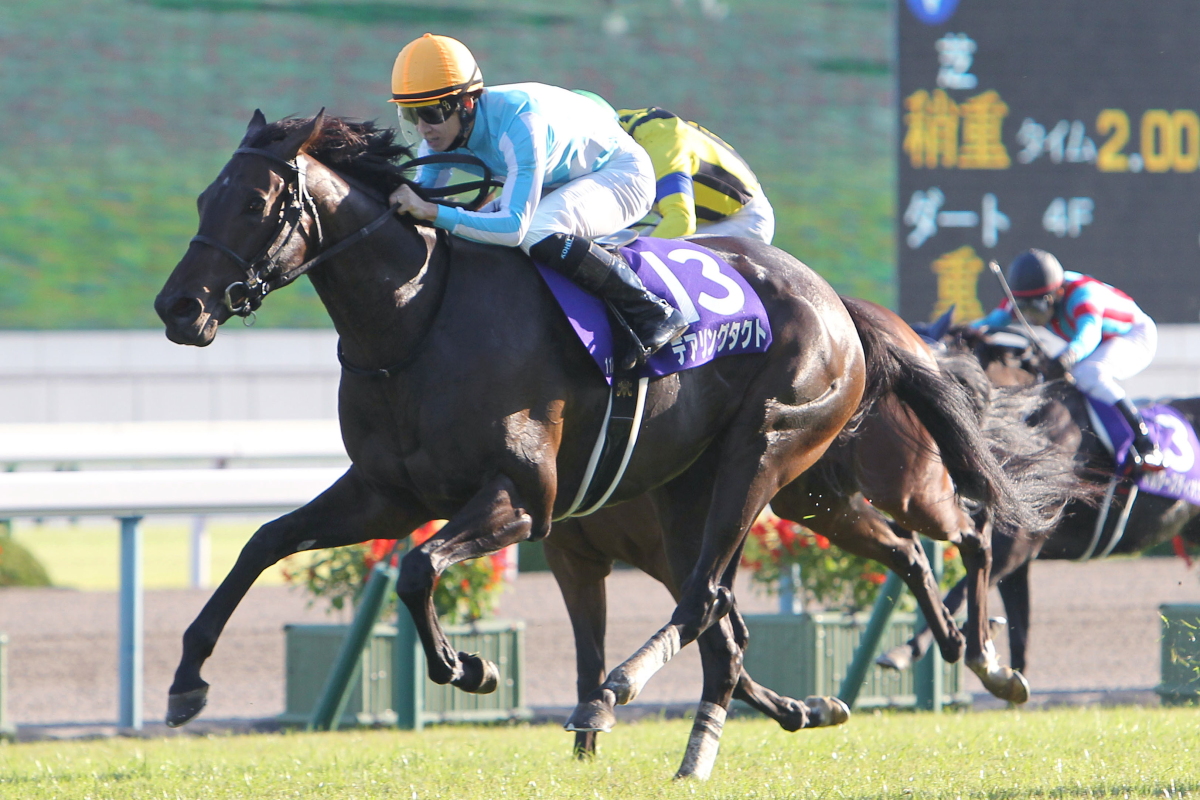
{"points": [[1095, 629]]}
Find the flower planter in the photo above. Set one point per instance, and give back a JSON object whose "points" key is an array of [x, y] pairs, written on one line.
{"points": [[393, 688], [805, 654], [1180, 654]]}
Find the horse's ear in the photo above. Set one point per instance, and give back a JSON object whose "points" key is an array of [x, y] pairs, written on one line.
{"points": [[938, 329], [257, 123], [303, 136]]}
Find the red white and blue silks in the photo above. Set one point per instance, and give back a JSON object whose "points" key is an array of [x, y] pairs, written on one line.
{"points": [[726, 315]]}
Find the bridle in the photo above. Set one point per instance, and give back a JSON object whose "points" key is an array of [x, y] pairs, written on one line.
{"points": [[264, 274]]}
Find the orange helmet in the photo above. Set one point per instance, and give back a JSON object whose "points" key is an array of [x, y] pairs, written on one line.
{"points": [[432, 68]]}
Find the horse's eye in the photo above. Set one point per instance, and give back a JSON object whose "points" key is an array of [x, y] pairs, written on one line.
{"points": [[256, 205]]}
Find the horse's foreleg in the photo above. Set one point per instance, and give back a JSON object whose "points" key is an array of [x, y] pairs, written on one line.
{"points": [[998, 679], [493, 519], [903, 656], [1014, 591], [722, 648], [791, 714], [346, 513], [856, 526]]}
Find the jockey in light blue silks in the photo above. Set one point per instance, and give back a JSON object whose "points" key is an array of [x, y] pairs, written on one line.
{"points": [[1109, 337], [570, 174]]}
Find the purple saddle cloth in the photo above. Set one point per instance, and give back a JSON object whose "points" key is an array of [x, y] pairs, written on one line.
{"points": [[726, 315], [1173, 434]]}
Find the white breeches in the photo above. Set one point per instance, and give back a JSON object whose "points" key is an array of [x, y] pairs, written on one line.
{"points": [[1119, 358], [599, 203], [755, 220]]}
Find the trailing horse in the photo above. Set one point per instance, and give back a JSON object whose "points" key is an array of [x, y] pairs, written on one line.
{"points": [[1106, 516], [463, 396], [905, 461]]}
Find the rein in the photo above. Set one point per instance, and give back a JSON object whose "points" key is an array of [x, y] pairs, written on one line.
{"points": [[263, 275]]}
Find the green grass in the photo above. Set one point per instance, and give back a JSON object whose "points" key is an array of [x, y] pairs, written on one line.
{"points": [[87, 556], [117, 113], [1119, 753]]}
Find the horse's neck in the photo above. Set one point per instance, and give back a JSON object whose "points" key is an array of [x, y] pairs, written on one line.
{"points": [[382, 293]]}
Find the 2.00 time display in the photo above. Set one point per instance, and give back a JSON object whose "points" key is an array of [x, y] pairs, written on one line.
{"points": [[1169, 141]]}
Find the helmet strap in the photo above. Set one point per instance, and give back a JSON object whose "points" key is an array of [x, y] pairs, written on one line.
{"points": [[466, 121]]}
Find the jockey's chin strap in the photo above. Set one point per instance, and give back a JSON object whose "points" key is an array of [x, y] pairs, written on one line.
{"points": [[264, 274]]}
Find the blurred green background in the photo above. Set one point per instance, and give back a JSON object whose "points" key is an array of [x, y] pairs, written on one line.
{"points": [[117, 113]]}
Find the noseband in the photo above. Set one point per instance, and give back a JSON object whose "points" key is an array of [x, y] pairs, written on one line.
{"points": [[264, 275]]}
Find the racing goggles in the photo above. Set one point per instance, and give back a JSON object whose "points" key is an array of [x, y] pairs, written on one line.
{"points": [[434, 114], [1040, 306]]}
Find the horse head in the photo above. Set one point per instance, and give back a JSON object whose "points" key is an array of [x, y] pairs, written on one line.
{"points": [[256, 221], [1008, 357]]}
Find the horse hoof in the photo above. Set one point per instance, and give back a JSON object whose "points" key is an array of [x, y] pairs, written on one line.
{"points": [[794, 717], [594, 715], [824, 712], [898, 658], [480, 676], [1018, 689], [1003, 683], [184, 707], [952, 652]]}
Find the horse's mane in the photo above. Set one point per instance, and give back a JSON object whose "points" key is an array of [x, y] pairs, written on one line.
{"points": [[359, 149]]}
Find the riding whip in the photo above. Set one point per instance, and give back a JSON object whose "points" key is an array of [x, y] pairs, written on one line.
{"points": [[1034, 339]]}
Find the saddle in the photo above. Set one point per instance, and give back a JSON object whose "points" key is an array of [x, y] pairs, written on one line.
{"points": [[1170, 430]]}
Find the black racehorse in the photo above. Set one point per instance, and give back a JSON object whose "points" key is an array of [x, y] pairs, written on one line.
{"points": [[1102, 521], [463, 396]]}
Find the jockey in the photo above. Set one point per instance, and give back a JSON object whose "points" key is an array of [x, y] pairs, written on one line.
{"points": [[703, 185], [570, 174], [1108, 336]]}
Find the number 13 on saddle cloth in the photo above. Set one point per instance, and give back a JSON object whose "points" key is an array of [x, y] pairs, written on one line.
{"points": [[725, 313]]}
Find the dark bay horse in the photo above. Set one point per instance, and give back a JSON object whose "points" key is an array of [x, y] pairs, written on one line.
{"points": [[463, 396], [1010, 361], [888, 462]]}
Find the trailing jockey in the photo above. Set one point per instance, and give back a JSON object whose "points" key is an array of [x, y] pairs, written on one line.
{"points": [[1109, 337], [702, 186], [570, 174]]}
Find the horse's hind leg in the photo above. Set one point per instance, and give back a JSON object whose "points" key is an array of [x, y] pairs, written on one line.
{"points": [[743, 481], [791, 714], [493, 519], [345, 513], [581, 582], [997, 678]]}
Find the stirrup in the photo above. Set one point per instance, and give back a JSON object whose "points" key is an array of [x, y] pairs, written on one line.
{"points": [[631, 353], [1151, 461]]}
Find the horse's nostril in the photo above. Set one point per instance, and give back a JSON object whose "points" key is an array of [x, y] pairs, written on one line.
{"points": [[185, 308]]}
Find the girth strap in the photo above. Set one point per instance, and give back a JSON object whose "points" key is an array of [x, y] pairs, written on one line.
{"points": [[614, 446]]}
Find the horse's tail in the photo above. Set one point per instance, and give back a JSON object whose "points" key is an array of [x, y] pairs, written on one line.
{"points": [[948, 412], [1028, 432]]}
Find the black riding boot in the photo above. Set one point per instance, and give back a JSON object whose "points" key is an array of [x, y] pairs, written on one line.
{"points": [[652, 320], [1145, 454]]}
